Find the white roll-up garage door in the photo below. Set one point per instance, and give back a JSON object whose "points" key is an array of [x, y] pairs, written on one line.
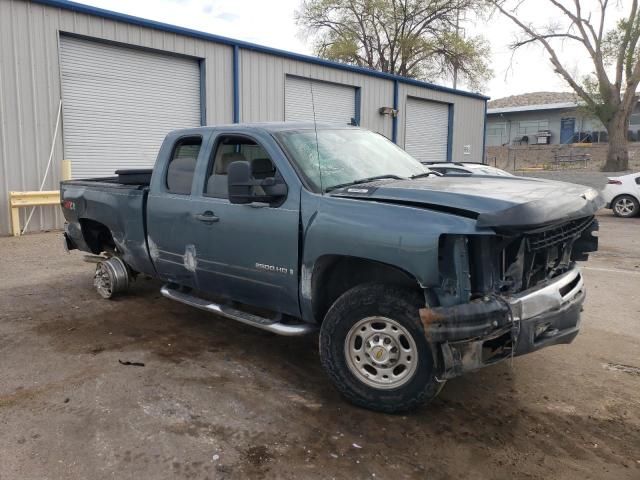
{"points": [[119, 103], [426, 130], [335, 104]]}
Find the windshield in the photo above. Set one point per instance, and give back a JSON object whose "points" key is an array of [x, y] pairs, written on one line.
{"points": [[347, 155]]}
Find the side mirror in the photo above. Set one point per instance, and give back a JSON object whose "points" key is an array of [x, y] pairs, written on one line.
{"points": [[239, 182]]}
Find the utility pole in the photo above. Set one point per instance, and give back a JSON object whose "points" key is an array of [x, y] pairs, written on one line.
{"points": [[455, 64]]}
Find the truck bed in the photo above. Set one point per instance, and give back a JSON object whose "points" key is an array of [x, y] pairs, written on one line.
{"points": [[96, 205]]}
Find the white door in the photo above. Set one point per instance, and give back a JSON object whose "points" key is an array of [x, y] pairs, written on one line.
{"points": [[426, 130], [333, 103], [119, 103]]}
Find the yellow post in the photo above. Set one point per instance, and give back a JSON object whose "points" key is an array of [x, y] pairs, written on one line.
{"points": [[15, 221], [66, 170]]}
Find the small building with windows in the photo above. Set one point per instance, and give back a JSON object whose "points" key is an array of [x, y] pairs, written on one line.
{"points": [[102, 89], [540, 118]]}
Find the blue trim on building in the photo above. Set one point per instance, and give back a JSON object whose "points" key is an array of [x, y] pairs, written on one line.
{"points": [[357, 106], [203, 92], [450, 134], [142, 22], [394, 119], [236, 84], [484, 134]]}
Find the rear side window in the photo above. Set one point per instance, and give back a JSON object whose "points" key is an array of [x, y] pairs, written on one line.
{"points": [[638, 180], [182, 165]]}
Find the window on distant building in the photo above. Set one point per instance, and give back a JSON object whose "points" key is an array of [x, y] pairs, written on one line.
{"points": [[497, 133], [531, 127]]}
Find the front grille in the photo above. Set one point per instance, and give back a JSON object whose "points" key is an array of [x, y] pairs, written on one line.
{"points": [[517, 260], [567, 231]]}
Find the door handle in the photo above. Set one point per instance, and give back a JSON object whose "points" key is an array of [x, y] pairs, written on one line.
{"points": [[206, 217]]}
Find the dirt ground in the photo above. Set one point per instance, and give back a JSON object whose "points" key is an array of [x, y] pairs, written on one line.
{"points": [[217, 399]]}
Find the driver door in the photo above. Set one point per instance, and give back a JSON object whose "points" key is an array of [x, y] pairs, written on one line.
{"points": [[247, 253]]}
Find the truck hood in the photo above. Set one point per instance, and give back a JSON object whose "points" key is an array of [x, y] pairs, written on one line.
{"points": [[493, 201]]}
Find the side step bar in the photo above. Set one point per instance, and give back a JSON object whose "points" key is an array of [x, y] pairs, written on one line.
{"points": [[268, 324]]}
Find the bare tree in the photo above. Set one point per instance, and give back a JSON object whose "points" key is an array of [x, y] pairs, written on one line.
{"points": [[412, 38], [609, 91]]}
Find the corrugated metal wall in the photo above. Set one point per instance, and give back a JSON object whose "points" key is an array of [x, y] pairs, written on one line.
{"points": [[30, 91], [262, 78]]}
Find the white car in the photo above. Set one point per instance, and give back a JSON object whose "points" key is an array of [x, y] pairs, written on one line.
{"points": [[465, 168], [622, 195]]}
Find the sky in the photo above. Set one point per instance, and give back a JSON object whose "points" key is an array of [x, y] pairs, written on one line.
{"points": [[271, 23]]}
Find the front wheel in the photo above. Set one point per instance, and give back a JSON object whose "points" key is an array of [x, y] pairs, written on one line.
{"points": [[373, 347], [625, 206]]}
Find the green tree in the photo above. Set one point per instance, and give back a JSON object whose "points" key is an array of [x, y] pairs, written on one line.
{"points": [[609, 90], [413, 38]]}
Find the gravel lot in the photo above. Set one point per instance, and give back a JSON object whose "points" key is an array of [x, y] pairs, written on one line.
{"points": [[217, 399]]}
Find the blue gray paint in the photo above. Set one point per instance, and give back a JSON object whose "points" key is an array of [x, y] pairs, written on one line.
{"points": [[409, 217]]}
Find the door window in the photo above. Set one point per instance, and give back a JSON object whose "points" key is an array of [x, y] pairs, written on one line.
{"points": [[231, 149], [182, 165]]}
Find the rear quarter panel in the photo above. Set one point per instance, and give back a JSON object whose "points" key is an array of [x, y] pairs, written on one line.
{"points": [[118, 207]]}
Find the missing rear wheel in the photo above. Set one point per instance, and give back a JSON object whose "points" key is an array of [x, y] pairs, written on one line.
{"points": [[111, 277]]}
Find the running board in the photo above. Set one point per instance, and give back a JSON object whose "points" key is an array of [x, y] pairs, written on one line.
{"points": [[268, 324]]}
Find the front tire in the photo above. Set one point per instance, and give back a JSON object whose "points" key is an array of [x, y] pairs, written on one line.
{"points": [[373, 347], [625, 206]]}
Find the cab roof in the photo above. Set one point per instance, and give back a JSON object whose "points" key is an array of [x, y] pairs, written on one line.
{"points": [[268, 126]]}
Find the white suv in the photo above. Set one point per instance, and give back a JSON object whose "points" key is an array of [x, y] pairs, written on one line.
{"points": [[622, 195]]}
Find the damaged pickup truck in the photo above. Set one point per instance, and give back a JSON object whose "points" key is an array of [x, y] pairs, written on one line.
{"points": [[412, 278]]}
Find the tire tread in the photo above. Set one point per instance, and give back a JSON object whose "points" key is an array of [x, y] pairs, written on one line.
{"points": [[366, 294]]}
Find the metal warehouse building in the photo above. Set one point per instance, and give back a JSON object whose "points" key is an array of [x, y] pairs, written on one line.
{"points": [[124, 82]]}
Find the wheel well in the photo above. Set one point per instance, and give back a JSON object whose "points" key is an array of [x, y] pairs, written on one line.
{"points": [[625, 195], [333, 275], [97, 236]]}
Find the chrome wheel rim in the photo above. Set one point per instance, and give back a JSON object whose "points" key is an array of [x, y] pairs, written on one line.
{"points": [[111, 277], [381, 353], [624, 206], [102, 281]]}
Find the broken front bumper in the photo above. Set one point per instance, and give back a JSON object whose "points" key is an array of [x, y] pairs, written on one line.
{"points": [[483, 332]]}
